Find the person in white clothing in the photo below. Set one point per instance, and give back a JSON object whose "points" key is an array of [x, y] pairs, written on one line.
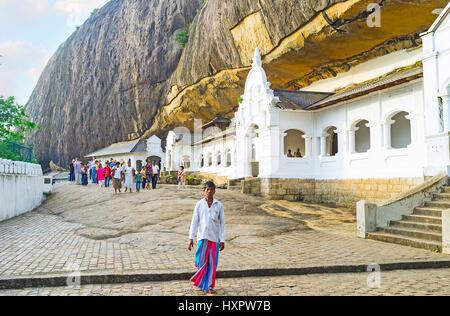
{"points": [[208, 222], [155, 174], [117, 176], [130, 173]]}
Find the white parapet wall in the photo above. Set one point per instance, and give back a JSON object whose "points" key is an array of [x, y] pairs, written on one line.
{"points": [[21, 188]]}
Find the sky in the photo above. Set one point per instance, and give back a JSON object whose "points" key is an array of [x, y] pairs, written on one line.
{"points": [[30, 32]]}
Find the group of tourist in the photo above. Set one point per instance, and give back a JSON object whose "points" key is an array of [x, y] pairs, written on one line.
{"points": [[120, 173]]}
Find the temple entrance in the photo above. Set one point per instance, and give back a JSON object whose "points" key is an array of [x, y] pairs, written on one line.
{"points": [[157, 159]]}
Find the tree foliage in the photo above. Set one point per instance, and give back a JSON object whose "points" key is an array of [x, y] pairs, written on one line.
{"points": [[183, 37], [14, 121]]}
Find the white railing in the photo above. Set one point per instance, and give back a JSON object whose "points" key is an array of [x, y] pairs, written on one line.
{"points": [[19, 167], [21, 187]]}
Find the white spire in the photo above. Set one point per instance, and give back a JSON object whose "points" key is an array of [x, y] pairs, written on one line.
{"points": [[257, 59]]}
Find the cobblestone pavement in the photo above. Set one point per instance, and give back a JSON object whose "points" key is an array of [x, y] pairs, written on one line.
{"points": [[92, 231], [393, 283]]}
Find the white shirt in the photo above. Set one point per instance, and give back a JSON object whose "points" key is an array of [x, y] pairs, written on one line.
{"points": [[155, 169], [208, 223], [118, 173]]}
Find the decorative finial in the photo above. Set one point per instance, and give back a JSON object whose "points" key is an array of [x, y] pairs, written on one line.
{"points": [[257, 58]]}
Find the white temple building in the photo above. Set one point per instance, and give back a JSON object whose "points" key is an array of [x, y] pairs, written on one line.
{"points": [[390, 123], [136, 151]]}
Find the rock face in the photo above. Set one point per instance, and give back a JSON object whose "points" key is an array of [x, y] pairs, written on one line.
{"points": [[122, 75], [105, 83]]}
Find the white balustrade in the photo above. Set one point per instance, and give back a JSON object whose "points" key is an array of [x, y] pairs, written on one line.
{"points": [[21, 187]]}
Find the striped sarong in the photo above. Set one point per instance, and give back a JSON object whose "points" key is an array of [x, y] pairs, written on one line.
{"points": [[206, 259]]}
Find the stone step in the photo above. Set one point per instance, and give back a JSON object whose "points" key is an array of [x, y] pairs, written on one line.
{"points": [[406, 241], [423, 219], [428, 211], [438, 204], [417, 225], [412, 233], [442, 196]]}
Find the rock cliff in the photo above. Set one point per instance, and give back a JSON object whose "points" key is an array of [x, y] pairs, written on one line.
{"points": [[106, 82], [122, 75]]}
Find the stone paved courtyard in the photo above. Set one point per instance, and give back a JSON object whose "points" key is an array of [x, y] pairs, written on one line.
{"points": [[396, 283], [92, 231]]}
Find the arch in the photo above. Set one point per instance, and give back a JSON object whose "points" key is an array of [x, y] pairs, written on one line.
{"points": [[362, 136], [332, 142], [294, 142], [400, 130], [186, 162], [445, 88], [253, 129], [157, 159]]}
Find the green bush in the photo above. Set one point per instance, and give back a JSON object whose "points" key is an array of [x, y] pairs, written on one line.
{"points": [[183, 37], [170, 176]]}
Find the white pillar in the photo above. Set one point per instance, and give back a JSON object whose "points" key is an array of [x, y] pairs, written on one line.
{"points": [[415, 120], [446, 108], [308, 145], [248, 156], [387, 134], [375, 135], [323, 145], [351, 140], [342, 142]]}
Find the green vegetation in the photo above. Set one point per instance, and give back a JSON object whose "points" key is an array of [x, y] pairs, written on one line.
{"points": [[94, 12], [14, 125], [191, 177], [183, 37], [240, 100], [14, 121], [170, 176]]}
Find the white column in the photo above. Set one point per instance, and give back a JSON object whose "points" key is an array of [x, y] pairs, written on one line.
{"points": [[351, 140], [248, 157], [342, 142], [415, 120], [323, 145], [446, 108], [315, 146], [387, 134], [308, 146], [375, 135]]}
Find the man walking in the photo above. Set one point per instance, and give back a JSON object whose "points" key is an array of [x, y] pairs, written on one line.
{"points": [[77, 172], [117, 178], [155, 175], [208, 222]]}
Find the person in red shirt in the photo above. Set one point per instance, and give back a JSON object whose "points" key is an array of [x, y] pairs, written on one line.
{"points": [[107, 175]]}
